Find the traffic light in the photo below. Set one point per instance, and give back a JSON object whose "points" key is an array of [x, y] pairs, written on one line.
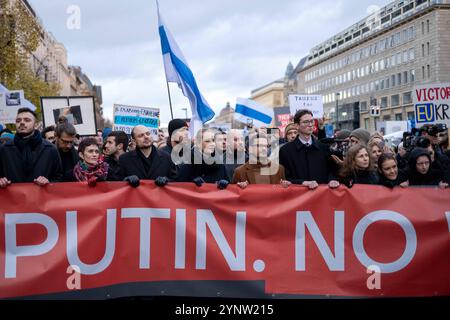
{"points": [[375, 111]]}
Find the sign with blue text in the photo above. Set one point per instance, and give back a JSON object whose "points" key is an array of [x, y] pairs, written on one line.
{"points": [[127, 117], [432, 104]]}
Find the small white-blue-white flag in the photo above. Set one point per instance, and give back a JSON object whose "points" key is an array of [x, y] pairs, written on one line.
{"points": [[178, 71], [250, 111]]}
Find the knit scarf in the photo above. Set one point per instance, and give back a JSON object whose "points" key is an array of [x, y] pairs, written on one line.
{"points": [[84, 172], [26, 147]]}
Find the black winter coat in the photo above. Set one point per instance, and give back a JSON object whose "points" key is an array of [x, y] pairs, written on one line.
{"points": [[304, 163], [46, 163], [161, 165]]}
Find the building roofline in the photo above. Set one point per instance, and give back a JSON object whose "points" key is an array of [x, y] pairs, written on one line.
{"points": [[281, 80]]}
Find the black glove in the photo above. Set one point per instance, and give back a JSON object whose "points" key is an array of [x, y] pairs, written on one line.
{"points": [[198, 181], [133, 181], [222, 184], [161, 181]]}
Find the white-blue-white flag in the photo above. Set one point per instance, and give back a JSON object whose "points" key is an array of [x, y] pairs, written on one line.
{"points": [[250, 111], [178, 71], [24, 103]]}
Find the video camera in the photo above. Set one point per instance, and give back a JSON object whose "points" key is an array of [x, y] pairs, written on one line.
{"points": [[435, 129], [338, 147], [410, 138]]}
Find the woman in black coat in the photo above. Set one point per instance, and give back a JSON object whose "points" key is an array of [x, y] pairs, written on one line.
{"points": [[421, 172], [357, 167], [389, 173], [203, 167]]}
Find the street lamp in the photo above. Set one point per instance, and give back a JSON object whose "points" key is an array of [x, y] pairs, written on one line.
{"points": [[185, 112], [337, 109]]}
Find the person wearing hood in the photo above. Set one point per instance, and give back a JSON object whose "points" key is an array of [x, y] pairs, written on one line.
{"points": [[203, 167], [359, 136], [291, 132], [29, 158], [357, 167], [389, 173], [421, 172]]}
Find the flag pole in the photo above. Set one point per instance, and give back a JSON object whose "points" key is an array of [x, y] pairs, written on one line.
{"points": [[170, 100]]}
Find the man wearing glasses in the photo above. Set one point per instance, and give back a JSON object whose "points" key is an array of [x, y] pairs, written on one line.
{"points": [[307, 161], [65, 137]]}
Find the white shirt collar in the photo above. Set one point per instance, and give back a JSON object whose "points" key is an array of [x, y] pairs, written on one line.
{"points": [[308, 142]]}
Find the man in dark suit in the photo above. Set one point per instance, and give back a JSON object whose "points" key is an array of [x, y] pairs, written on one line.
{"points": [[29, 158], [146, 162], [306, 160]]}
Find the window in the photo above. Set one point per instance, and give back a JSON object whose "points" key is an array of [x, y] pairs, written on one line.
{"points": [[411, 115], [367, 123], [428, 26], [399, 79], [407, 98], [405, 56], [423, 72], [392, 64], [411, 54], [428, 71], [387, 83], [382, 84], [412, 75], [393, 81], [423, 50], [364, 106], [405, 77], [384, 102], [428, 48], [423, 27], [395, 100], [398, 117]]}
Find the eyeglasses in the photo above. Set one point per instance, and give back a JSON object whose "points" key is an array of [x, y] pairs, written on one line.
{"points": [[307, 122]]}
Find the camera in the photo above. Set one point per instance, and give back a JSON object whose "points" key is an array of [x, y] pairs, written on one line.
{"points": [[435, 129], [338, 147]]}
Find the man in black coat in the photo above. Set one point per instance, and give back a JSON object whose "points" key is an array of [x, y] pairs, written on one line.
{"points": [[115, 146], [306, 160], [28, 158], [65, 136], [146, 162]]}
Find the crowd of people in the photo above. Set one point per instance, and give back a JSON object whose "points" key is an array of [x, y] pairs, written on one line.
{"points": [[303, 156]]}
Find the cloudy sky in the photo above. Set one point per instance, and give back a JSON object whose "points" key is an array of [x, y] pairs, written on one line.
{"points": [[232, 46]]}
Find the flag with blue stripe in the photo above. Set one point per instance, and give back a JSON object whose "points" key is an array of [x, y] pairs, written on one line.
{"points": [[178, 71], [249, 110]]}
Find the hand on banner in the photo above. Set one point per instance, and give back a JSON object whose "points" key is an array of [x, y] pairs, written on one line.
{"points": [[4, 182], [312, 185], [243, 185], [404, 184], [285, 184], [222, 184], [162, 181], [133, 181], [198, 181], [443, 185], [41, 181], [334, 184], [337, 160]]}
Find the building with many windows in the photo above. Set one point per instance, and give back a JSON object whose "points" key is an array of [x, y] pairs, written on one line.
{"points": [[378, 62]]}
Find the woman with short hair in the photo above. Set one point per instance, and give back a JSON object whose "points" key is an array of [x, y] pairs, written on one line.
{"points": [[90, 168]]}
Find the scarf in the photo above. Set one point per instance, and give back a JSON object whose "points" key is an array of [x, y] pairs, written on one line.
{"points": [[91, 174], [26, 147]]}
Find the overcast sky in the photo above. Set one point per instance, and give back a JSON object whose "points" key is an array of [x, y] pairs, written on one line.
{"points": [[232, 46]]}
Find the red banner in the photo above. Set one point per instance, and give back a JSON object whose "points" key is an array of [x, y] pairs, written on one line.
{"points": [[72, 241]]}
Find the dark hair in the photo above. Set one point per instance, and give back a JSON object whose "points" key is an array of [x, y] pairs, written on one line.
{"points": [[385, 157], [86, 143], [423, 142], [23, 110], [46, 130], [300, 114], [66, 128], [121, 138]]}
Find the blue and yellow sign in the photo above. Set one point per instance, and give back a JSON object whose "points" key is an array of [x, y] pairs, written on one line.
{"points": [[425, 112]]}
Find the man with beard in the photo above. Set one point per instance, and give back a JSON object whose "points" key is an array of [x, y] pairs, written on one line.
{"points": [[28, 158], [65, 138], [115, 146], [146, 162]]}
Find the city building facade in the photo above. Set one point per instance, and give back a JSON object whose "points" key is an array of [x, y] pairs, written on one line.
{"points": [[377, 62]]}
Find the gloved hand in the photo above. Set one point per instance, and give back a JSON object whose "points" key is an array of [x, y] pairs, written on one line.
{"points": [[222, 184], [161, 181], [133, 181], [92, 182], [198, 181]]}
